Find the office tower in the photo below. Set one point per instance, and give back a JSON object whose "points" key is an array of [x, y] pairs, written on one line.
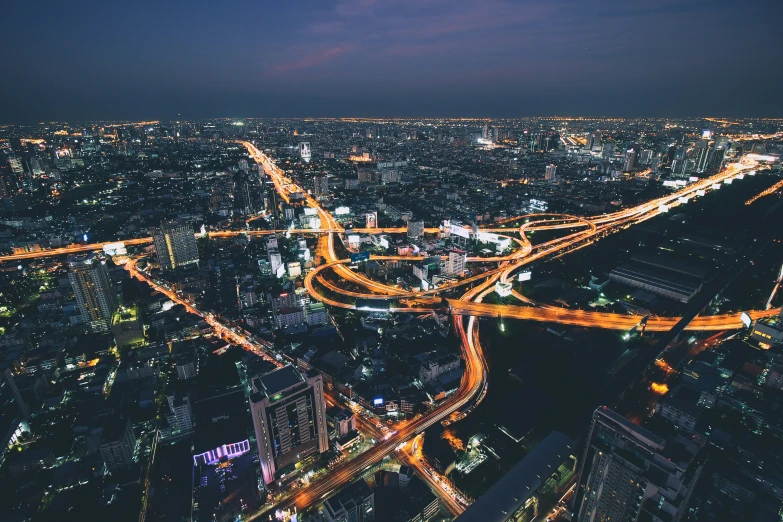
{"points": [[180, 417], [703, 154], [117, 443], [175, 245], [356, 503], [16, 165], [415, 229], [608, 151], [8, 383], [276, 260], [589, 140], [36, 167], [93, 290], [247, 197], [304, 151], [455, 264], [630, 160], [485, 134], [321, 186], [289, 417], [551, 173], [629, 473]]}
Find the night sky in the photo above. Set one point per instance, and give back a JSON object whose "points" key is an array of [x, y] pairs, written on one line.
{"points": [[168, 59]]}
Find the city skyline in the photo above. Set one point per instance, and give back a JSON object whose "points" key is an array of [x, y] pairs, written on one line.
{"points": [[407, 59]]}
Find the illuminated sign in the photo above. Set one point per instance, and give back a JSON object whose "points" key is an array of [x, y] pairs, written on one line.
{"points": [[663, 208], [715, 186], [460, 231], [227, 451], [308, 211], [378, 401], [701, 192], [525, 276], [693, 178], [341, 211], [359, 257]]}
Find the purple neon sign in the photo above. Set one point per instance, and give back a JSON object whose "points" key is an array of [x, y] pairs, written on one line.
{"points": [[228, 451]]}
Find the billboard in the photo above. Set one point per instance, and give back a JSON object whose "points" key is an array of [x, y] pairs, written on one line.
{"points": [[378, 401], [309, 211], [341, 211], [460, 231], [360, 257], [701, 192], [716, 186], [372, 219], [525, 276]]}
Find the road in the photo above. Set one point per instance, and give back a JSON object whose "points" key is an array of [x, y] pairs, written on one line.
{"points": [[474, 384]]}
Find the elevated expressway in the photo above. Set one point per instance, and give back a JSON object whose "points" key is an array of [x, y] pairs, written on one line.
{"points": [[469, 306], [464, 310]]}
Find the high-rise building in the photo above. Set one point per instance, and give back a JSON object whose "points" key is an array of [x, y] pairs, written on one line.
{"points": [[415, 229], [455, 264], [93, 290], [551, 173], [630, 160], [356, 503], [703, 155], [175, 245], [321, 186], [276, 260], [629, 473], [304, 150], [289, 417], [117, 443], [180, 417]]}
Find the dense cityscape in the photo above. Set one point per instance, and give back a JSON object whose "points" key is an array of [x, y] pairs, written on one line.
{"points": [[334, 319]]}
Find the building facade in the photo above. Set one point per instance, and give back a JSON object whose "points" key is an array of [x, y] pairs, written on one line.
{"points": [[289, 418], [175, 246], [94, 292]]}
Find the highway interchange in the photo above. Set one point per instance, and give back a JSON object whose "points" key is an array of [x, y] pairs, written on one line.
{"points": [[581, 232]]}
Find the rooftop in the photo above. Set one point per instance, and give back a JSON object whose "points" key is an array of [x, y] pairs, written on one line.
{"points": [[280, 380], [515, 487]]}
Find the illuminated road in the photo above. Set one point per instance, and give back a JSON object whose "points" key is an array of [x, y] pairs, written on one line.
{"points": [[581, 232]]}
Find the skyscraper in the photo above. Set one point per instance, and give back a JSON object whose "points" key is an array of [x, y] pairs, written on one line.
{"points": [[629, 473], [93, 290], [117, 443], [551, 173], [455, 264], [175, 245], [320, 186], [289, 418], [630, 160]]}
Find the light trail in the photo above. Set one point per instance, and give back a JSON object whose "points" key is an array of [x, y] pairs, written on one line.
{"points": [[774, 188]]}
